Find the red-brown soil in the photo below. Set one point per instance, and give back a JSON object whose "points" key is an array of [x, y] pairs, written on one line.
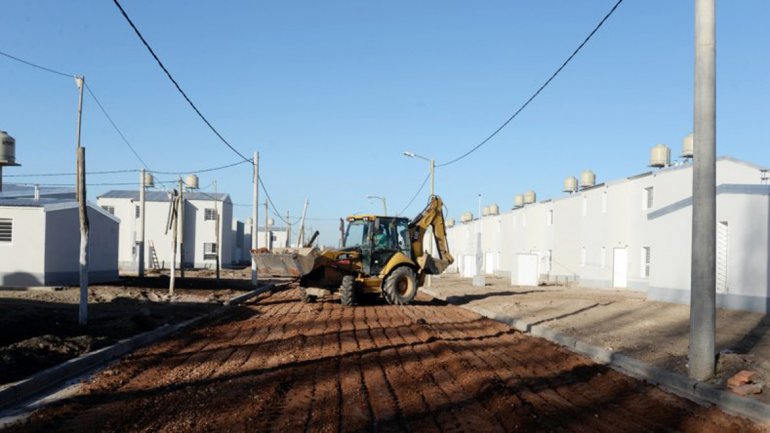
{"points": [[282, 366]]}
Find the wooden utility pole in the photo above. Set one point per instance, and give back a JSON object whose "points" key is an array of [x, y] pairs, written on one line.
{"points": [[174, 216], [83, 212], [267, 229]]}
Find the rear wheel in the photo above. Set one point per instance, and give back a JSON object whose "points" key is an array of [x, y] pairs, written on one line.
{"points": [[347, 290], [400, 286], [307, 299]]}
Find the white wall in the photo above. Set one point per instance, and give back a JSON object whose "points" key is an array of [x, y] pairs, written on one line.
{"points": [[627, 223], [22, 261]]}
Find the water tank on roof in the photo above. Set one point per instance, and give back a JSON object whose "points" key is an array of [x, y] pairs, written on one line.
{"points": [[494, 209], [7, 149], [518, 200], [570, 184], [466, 217], [450, 222], [688, 146], [660, 156], [270, 222], [149, 181], [530, 197], [191, 181], [587, 179], [485, 211]]}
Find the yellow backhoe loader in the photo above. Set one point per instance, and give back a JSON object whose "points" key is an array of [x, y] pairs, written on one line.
{"points": [[380, 255]]}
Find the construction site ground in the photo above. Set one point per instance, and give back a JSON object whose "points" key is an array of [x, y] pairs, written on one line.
{"points": [[276, 364], [623, 321], [40, 325]]}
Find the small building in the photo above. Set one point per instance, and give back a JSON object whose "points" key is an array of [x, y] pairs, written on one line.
{"points": [[40, 243], [200, 243], [635, 234]]}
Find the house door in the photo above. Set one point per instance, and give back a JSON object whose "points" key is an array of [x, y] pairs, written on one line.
{"points": [[526, 270], [620, 267], [722, 257], [469, 266], [490, 263]]}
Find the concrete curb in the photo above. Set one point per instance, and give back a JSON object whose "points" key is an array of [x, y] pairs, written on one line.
{"points": [[676, 383], [23, 390]]}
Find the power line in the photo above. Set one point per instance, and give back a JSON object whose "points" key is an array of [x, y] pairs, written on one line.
{"points": [[537, 92], [35, 65], [168, 74], [205, 170], [73, 174], [107, 115], [415, 195]]}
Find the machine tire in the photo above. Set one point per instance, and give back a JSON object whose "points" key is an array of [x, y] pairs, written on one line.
{"points": [[400, 286], [306, 299], [348, 291]]}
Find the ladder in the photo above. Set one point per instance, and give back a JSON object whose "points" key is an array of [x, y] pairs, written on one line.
{"points": [[154, 257]]}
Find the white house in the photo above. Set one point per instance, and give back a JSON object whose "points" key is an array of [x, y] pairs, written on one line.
{"points": [[199, 235], [40, 243], [633, 233]]}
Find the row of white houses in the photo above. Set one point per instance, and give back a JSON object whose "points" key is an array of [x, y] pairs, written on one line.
{"points": [[634, 234], [40, 236]]}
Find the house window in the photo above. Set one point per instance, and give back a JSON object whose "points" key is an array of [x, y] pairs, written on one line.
{"points": [[603, 258], [6, 230], [209, 251], [110, 209], [645, 270], [585, 205], [582, 257], [137, 211], [209, 214], [604, 202], [647, 198], [549, 218]]}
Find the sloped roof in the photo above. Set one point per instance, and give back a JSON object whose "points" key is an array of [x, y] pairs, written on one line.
{"points": [[13, 190], [52, 205], [163, 196]]}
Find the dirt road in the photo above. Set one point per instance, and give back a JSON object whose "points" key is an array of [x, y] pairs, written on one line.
{"points": [[279, 365]]}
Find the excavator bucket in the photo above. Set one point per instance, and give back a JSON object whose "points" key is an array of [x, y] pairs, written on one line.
{"points": [[432, 266], [285, 262]]}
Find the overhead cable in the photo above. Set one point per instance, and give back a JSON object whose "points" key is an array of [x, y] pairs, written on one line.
{"points": [[537, 92], [178, 87], [35, 65], [415, 195]]}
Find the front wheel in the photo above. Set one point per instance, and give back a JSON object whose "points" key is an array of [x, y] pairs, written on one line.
{"points": [[400, 286], [347, 290]]}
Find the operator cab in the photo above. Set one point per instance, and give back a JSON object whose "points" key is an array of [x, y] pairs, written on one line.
{"points": [[378, 238]]}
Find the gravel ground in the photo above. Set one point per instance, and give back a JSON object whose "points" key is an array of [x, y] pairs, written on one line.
{"points": [[623, 320], [276, 364]]}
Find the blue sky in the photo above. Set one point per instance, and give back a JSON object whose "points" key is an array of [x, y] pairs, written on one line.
{"points": [[331, 93]]}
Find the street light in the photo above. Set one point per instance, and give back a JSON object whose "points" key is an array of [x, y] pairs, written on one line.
{"points": [[432, 193], [432, 168], [384, 204]]}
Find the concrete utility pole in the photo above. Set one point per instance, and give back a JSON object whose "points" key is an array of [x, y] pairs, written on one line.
{"points": [[216, 227], [301, 230], [83, 211], [288, 230], [181, 228], [703, 277], [140, 241], [254, 221]]}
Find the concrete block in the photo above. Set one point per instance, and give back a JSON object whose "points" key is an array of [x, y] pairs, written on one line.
{"points": [[596, 353], [551, 335], [731, 403]]}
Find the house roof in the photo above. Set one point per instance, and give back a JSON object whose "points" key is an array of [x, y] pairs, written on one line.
{"points": [[52, 205], [163, 195], [14, 190]]}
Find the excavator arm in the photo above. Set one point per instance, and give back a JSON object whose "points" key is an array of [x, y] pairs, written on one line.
{"points": [[432, 216]]}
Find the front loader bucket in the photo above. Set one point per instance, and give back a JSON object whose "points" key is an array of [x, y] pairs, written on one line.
{"points": [[285, 262], [432, 266]]}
